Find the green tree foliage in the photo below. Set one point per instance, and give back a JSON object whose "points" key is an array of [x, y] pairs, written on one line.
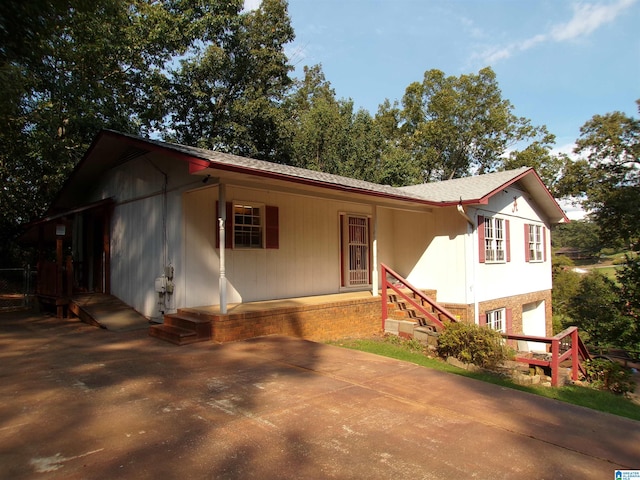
{"points": [[456, 126], [70, 68], [328, 135], [227, 95], [602, 313], [566, 285], [608, 176], [582, 235], [628, 277]]}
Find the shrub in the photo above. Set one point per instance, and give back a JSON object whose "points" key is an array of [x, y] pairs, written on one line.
{"points": [[605, 374], [471, 343]]}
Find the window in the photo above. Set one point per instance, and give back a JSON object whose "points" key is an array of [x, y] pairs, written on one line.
{"points": [[250, 226], [496, 319], [494, 236], [494, 243], [247, 226], [535, 243]]}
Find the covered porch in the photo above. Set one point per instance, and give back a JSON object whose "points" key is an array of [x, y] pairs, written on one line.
{"points": [[320, 317]]}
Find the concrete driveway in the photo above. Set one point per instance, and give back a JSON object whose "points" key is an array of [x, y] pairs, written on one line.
{"points": [[77, 402]]}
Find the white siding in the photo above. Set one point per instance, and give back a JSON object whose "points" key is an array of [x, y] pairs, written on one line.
{"points": [[307, 261], [517, 276], [142, 233]]}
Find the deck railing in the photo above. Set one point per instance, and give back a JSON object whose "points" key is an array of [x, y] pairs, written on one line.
{"points": [[563, 346], [395, 282]]}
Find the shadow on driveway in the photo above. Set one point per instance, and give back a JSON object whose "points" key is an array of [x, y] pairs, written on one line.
{"points": [[81, 402]]}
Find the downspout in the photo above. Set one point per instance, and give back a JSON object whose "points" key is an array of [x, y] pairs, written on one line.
{"points": [[374, 277], [474, 259], [222, 218], [464, 215]]}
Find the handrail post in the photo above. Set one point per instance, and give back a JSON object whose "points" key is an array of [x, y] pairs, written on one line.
{"points": [[384, 295], [555, 364], [575, 352]]}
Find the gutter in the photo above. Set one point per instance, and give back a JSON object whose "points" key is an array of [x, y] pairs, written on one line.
{"points": [[464, 214]]}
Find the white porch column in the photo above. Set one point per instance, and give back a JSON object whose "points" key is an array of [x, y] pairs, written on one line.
{"points": [[222, 219], [374, 276]]}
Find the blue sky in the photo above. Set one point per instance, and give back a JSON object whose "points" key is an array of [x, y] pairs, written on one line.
{"points": [[558, 62]]}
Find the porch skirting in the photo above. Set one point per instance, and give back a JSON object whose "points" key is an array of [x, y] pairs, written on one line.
{"points": [[320, 318]]}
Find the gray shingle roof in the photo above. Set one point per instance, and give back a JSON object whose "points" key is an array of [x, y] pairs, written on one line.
{"points": [[470, 190], [465, 189]]}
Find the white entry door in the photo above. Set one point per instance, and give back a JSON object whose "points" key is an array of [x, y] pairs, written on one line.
{"points": [[356, 251], [533, 323]]}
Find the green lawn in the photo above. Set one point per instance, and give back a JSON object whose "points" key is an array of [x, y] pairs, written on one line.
{"points": [[412, 351]]}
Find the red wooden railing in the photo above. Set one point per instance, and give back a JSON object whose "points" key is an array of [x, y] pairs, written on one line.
{"points": [[564, 346], [398, 284]]}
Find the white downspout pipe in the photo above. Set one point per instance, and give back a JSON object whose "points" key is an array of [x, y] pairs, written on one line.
{"points": [[474, 259], [222, 218], [374, 278]]}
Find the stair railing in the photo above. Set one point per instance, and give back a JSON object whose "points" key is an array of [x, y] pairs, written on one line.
{"points": [[577, 352], [401, 284]]}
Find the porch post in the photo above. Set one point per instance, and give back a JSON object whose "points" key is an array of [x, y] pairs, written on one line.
{"points": [[222, 218], [374, 246]]}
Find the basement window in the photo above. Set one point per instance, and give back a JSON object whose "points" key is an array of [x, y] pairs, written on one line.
{"points": [[496, 319]]}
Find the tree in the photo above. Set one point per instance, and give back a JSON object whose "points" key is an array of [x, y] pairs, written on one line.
{"points": [[579, 234], [319, 123], [457, 126], [608, 177], [227, 96], [566, 284], [70, 68], [595, 311], [397, 166], [628, 277]]}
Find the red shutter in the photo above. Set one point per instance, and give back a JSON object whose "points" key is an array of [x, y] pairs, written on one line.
{"points": [[482, 319], [228, 234], [526, 242], [544, 244], [481, 247], [507, 240], [272, 224], [509, 320]]}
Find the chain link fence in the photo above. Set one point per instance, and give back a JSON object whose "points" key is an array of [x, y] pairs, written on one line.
{"points": [[17, 287]]}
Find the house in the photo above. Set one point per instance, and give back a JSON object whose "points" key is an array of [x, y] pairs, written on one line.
{"points": [[168, 227]]}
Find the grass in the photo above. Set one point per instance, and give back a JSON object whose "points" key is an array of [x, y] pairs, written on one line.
{"points": [[413, 351]]}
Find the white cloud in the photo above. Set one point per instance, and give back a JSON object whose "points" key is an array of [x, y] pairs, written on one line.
{"points": [[250, 5], [586, 19], [566, 150]]}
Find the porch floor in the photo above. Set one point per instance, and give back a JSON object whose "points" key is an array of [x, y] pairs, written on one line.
{"points": [[279, 304]]}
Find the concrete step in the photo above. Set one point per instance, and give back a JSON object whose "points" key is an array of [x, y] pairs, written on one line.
{"points": [[173, 334], [199, 324]]}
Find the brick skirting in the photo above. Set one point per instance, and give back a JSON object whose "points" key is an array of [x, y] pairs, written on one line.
{"points": [[360, 317]]}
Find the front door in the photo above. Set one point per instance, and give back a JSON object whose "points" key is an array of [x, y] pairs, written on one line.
{"points": [[355, 251]]}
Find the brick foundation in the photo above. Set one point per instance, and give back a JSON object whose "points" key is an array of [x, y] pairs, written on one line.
{"points": [[330, 321], [466, 312]]}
